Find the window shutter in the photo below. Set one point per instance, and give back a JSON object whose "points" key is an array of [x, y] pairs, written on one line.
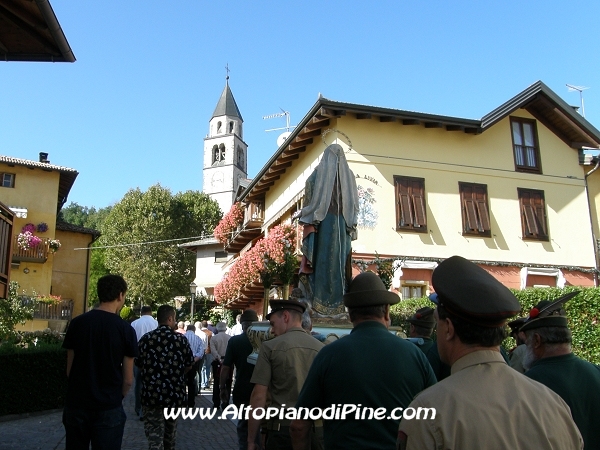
{"points": [[537, 201], [528, 213], [470, 216], [406, 217], [418, 188], [482, 207]]}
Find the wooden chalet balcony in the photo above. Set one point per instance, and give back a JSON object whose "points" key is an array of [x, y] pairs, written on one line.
{"points": [[62, 310], [38, 254], [254, 217]]}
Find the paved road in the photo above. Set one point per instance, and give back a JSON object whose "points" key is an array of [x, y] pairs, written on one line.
{"points": [[46, 432]]}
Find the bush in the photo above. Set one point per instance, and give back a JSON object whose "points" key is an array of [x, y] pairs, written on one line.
{"points": [[26, 339], [33, 379], [125, 312], [583, 312]]}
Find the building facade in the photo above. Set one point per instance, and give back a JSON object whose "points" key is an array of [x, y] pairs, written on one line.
{"points": [[35, 191], [506, 191]]}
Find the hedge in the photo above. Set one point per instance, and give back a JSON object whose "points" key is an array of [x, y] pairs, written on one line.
{"points": [[32, 379], [583, 312]]}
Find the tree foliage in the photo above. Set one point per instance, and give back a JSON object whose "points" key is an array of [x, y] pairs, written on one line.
{"points": [[141, 230], [583, 312], [83, 216]]}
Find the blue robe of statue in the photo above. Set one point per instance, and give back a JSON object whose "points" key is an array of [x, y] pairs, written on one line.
{"points": [[327, 242]]}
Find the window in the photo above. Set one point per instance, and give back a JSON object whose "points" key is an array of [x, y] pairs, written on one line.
{"points": [[413, 289], [218, 153], [526, 150], [219, 124], [533, 214], [410, 204], [220, 257], [240, 157], [8, 180], [231, 127], [474, 205]]}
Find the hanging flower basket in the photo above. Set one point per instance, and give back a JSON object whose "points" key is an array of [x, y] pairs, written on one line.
{"points": [[28, 228], [42, 227], [270, 258], [53, 245], [27, 240], [230, 222]]}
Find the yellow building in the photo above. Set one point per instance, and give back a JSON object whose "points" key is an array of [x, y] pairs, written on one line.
{"points": [[506, 191], [35, 191]]}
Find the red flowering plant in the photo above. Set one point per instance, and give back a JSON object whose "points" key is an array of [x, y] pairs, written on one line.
{"points": [[229, 223], [270, 258]]}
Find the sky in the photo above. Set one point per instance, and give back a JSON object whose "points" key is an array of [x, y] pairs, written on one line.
{"points": [[134, 108]]}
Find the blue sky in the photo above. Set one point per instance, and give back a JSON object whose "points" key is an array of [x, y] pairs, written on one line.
{"points": [[134, 108]]}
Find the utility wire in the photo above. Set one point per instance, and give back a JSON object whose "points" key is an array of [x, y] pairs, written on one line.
{"points": [[157, 242]]}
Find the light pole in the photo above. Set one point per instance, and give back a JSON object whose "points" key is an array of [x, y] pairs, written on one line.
{"points": [[193, 287]]}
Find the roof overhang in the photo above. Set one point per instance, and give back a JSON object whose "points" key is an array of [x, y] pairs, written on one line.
{"points": [[66, 178], [29, 31], [553, 112], [318, 119], [538, 99]]}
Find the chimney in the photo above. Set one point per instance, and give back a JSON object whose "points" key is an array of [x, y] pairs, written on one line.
{"points": [[44, 158]]}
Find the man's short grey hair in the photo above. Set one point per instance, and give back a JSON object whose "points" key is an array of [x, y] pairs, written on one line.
{"points": [[221, 326], [551, 335]]}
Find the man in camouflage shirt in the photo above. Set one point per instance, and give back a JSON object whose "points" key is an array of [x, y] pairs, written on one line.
{"points": [[165, 357]]}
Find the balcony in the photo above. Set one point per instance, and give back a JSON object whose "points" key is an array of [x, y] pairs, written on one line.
{"points": [[251, 228], [37, 254], [62, 310]]}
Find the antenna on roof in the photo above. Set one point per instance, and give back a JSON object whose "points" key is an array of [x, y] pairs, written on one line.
{"points": [[283, 136], [580, 89]]}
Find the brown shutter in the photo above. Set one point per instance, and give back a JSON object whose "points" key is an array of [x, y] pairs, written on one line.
{"points": [[470, 216], [529, 221], [404, 201], [480, 192], [537, 203], [418, 188]]}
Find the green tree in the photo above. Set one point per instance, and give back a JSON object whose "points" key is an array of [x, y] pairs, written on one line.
{"points": [[83, 216], [97, 270], [143, 231], [14, 310]]}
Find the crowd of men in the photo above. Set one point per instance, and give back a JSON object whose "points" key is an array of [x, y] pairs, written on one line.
{"points": [[538, 396]]}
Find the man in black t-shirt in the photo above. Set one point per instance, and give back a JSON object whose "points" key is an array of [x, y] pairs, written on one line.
{"points": [[100, 351], [238, 349]]}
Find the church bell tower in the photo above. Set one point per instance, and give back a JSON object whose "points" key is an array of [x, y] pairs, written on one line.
{"points": [[225, 152]]}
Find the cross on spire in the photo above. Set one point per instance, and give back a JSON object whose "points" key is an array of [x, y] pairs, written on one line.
{"points": [[227, 70]]}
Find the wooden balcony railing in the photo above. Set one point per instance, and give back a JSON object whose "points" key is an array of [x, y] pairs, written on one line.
{"points": [[62, 310], [39, 253], [254, 216]]}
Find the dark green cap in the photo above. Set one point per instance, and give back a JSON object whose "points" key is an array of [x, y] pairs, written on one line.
{"points": [[280, 305], [423, 318], [548, 314], [471, 293], [367, 289]]}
